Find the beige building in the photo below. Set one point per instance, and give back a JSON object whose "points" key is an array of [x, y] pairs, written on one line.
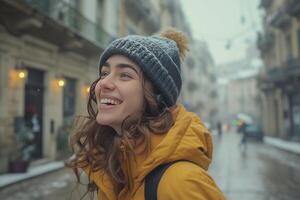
{"points": [[279, 82], [199, 91], [151, 16], [240, 95], [48, 56], [237, 86], [138, 18]]}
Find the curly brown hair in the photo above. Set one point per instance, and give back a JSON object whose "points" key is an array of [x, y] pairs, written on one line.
{"points": [[99, 147]]}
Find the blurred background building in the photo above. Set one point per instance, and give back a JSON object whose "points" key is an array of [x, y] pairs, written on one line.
{"points": [[48, 54], [237, 84], [48, 58], [279, 80], [200, 83]]}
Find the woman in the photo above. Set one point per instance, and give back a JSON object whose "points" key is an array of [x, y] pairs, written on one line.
{"points": [[135, 124]]}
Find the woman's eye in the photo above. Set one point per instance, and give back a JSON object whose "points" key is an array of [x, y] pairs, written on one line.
{"points": [[103, 74], [125, 75]]}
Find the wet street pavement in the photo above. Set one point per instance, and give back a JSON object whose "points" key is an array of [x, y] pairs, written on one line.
{"points": [[261, 172], [58, 185]]}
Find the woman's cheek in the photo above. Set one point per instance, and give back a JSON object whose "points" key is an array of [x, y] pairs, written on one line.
{"points": [[97, 90]]}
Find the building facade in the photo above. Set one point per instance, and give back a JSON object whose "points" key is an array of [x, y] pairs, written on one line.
{"points": [[199, 91], [237, 86], [279, 81], [48, 56]]}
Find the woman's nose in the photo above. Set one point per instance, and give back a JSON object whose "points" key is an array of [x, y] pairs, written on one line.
{"points": [[107, 83]]}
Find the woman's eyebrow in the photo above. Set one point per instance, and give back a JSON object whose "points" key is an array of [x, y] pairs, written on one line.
{"points": [[124, 65], [121, 65]]}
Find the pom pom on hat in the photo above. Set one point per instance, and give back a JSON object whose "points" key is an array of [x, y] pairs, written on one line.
{"points": [[179, 37]]}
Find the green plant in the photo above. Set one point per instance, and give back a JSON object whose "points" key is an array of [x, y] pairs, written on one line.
{"points": [[24, 144], [62, 137]]}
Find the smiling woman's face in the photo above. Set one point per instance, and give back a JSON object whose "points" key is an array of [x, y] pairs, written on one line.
{"points": [[119, 92]]}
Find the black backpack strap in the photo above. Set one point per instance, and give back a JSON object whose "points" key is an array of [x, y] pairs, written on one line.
{"points": [[153, 178]]}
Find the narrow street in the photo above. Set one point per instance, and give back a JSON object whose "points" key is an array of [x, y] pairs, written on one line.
{"points": [[261, 173]]}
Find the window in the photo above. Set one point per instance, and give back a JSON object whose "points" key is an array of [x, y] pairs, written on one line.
{"points": [[288, 47], [298, 38], [69, 97], [100, 12]]}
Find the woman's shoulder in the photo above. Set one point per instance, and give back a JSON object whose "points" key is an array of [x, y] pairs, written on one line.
{"points": [[186, 180], [184, 170]]}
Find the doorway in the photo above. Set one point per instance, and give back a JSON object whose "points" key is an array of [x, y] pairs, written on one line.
{"points": [[33, 108]]}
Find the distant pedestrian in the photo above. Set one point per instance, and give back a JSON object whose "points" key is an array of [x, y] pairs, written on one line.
{"points": [[219, 127], [136, 129], [242, 130]]}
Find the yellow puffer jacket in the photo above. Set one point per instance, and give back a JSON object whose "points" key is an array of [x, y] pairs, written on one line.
{"points": [[187, 140]]}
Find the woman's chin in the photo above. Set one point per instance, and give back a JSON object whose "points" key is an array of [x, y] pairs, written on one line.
{"points": [[105, 121]]}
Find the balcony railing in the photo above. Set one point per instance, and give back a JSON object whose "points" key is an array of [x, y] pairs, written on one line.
{"points": [[265, 42], [276, 74], [71, 18], [293, 7], [292, 67], [284, 73], [265, 3], [279, 19], [143, 10]]}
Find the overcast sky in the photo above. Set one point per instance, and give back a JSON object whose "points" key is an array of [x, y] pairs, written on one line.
{"points": [[219, 22]]}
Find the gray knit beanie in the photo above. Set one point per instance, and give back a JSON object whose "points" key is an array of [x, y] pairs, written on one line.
{"points": [[158, 56]]}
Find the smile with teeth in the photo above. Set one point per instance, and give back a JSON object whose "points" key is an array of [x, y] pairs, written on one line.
{"points": [[108, 101]]}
